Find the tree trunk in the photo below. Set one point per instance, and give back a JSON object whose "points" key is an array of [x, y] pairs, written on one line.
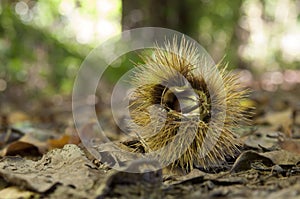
{"points": [[173, 14]]}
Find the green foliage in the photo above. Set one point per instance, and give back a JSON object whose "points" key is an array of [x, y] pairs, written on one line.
{"points": [[33, 56], [38, 49], [41, 51], [217, 28]]}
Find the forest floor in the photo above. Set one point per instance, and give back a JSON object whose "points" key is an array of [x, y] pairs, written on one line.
{"points": [[43, 157]]}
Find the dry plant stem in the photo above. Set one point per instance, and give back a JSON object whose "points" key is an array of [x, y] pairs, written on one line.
{"points": [[173, 78]]}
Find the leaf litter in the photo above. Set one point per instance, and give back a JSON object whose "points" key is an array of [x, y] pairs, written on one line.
{"points": [[268, 167]]}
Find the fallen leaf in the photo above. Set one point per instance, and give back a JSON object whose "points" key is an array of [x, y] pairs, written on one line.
{"points": [[62, 141], [15, 192], [244, 161], [147, 174], [291, 145], [194, 176], [114, 154], [263, 137], [282, 157], [17, 117], [19, 148], [67, 166], [9, 135], [32, 138], [277, 120]]}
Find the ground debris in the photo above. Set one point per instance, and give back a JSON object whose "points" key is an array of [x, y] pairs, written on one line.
{"points": [[67, 166]]}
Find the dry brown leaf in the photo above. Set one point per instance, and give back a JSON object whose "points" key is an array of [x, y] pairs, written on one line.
{"points": [[62, 141], [114, 154], [291, 145], [17, 117], [282, 157], [147, 174], [28, 141], [19, 148], [67, 166], [277, 120], [244, 161], [193, 176], [263, 137]]}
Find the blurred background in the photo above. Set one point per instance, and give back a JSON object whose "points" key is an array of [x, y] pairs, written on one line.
{"points": [[42, 43]]}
